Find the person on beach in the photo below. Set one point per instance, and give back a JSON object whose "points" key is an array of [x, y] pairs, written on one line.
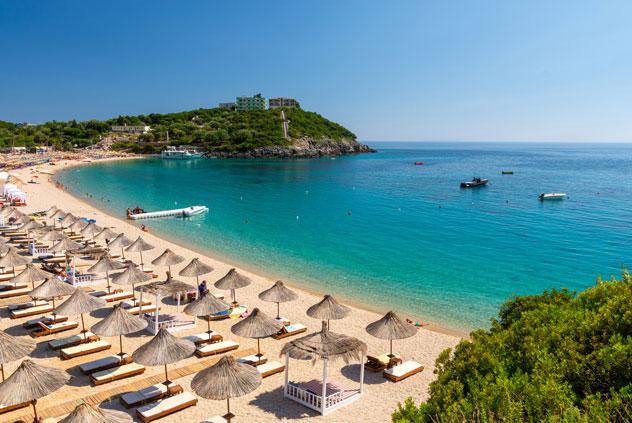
{"points": [[202, 289], [144, 228]]}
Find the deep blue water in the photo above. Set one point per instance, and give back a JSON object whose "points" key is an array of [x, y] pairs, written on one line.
{"points": [[376, 229]]}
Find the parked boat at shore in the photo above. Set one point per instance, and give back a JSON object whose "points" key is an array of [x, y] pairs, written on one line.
{"points": [[475, 182]]}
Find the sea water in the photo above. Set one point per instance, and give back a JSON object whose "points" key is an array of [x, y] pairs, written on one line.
{"points": [[379, 230]]}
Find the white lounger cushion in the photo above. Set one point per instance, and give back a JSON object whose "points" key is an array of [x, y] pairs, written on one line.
{"points": [[110, 360], [269, 366], [145, 309], [199, 337], [28, 304], [60, 325], [403, 369], [251, 359], [209, 348], [62, 342], [116, 371], [45, 308], [85, 347], [165, 404], [15, 292], [118, 295], [145, 394], [216, 419]]}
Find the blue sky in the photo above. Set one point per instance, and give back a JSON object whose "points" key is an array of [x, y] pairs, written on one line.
{"points": [[388, 70]]}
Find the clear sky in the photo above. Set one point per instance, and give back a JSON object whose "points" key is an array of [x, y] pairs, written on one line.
{"points": [[388, 70]]}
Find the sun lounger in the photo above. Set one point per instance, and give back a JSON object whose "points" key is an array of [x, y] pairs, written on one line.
{"points": [[15, 292], [7, 408], [84, 349], [381, 362], [104, 363], [152, 393], [402, 371], [290, 330], [216, 419], [145, 309], [49, 329], [32, 311], [116, 373], [28, 304], [48, 320], [162, 408], [270, 368], [203, 338], [5, 277], [232, 313], [284, 320], [71, 341], [54, 259], [134, 303], [253, 360], [119, 296], [216, 348]]}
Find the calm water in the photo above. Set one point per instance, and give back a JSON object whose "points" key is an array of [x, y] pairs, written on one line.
{"points": [[376, 229]]}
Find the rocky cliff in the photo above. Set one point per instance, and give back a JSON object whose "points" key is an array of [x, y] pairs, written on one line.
{"points": [[301, 148]]}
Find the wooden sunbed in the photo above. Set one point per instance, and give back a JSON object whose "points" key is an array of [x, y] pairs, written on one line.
{"points": [[216, 348], [204, 338], [32, 311], [270, 368], [118, 296], [149, 394], [25, 305], [116, 373], [381, 362], [134, 303], [104, 363], [165, 407], [5, 277], [216, 419], [7, 408], [253, 360], [14, 292], [232, 313], [84, 349], [54, 259], [71, 341], [47, 320], [402, 371], [150, 308], [290, 330], [49, 329]]}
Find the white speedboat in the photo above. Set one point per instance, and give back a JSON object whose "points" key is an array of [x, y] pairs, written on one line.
{"points": [[174, 153], [552, 196], [194, 210]]}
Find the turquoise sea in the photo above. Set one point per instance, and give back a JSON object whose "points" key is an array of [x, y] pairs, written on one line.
{"points": [[378, 230]]}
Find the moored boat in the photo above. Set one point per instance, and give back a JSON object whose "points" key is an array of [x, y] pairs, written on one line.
{"points": [[173, 153], [507, 172], [552, 196], [475, 182]]}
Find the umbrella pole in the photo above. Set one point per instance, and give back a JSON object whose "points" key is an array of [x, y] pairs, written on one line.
{"points": [[107, 276], [123, 253], [121, 345], [167, 382], [278, 312], [34, 410], [197, 282], [54, 308], [133, 294], [208, 323], [259, 349], [83, 325], [228, 416], [391, 354], [2, 368], [141, 261]]}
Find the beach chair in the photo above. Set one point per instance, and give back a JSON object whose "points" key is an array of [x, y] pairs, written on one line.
{"points": [[116, 373], [253, 360], [150, 394], [215, 419], [403, 371], [31, 311], [71, 341], [84, 349], [7, 408], [47, 320], [14, 293], [44, 329], [381, 362], [134, 303], [290, 330], [216, 348], [231, 313], [165, 407], [104, 363], [10, 286], [203, 338], [270, 368], [149, 308], [117, 296], [28, 304]]}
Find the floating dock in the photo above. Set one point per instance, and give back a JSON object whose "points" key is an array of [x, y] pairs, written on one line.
{"points": [[185, 212]]}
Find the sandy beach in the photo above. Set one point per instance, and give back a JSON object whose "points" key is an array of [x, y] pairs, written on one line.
{"points": [[267, 402]]}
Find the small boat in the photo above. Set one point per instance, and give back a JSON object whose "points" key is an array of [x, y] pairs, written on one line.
{"points": [[194, 210], [552, 196], [419, 163], [507, 172], [475, 182], [138, 213]]}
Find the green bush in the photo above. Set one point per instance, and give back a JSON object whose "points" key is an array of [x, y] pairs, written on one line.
{"points": [[555, 357]]}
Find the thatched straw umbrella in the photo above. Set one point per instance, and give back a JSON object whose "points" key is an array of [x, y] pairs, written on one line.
{"points": [[131, 276], [59, 214], [13, 348], [278, 293], [106, 265], [139, 246], [51, 211], [51, 289], [64, 245], [86, 413], [91, 229], [391, 327], [31, 227], [79, 303], [328, 309], [118, 323], [163, 349], [226, 379], [31, 382], [13, 259], [68, 220], [4, 248], [167, 258], [105, 235], [257, 325], [78, 225], [232, 281], [120, 241], [31, 275], [205, 305], [170, 286], [195, 268], [50, 234]]}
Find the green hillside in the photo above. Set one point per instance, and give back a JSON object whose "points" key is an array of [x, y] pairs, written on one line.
{"points": [[214, 129]]}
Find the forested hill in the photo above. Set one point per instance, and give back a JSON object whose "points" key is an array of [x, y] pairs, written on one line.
{"points": [[213, 129]]}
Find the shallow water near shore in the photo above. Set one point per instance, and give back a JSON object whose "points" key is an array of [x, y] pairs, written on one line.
{"points": [[383, 232]]}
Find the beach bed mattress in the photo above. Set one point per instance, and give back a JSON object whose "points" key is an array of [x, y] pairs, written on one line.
{"points": [[162, 408], [49, 329], [14, 292], [216, 348], [116, 373], [104, 363], [28, 304], [204, 338], [270, 368], [85, 349], [402, 371], [71, 341], [31, 311], [151, 393], [290, 330]]}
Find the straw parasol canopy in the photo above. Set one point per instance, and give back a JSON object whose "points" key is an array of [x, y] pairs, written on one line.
{"points": [[30, 275], [49, 234], [31, 382], [226, 379], [13, 348], [257, 325], [78, 225], [130, 276], [232, 281], [13, 259], [120, 241], [106, 265], [104, 235], [167, 258], [391, 327], [328, 309], [79, 303], [59, 214], [139, 246], [163, 349], [51, 211], [91, 229], [86, 413], [325, 345], [51, 289], [4, 248], [68, 220], [195, 268], [65, 244], [118, 323], [278, 293], [170, 286], [205, 305], [31, 227]]}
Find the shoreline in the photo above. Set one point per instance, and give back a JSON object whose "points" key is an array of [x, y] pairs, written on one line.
{"points": [[218, 256]]}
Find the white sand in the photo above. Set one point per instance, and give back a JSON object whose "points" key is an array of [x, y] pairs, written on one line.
{"points": [[267, 402]]}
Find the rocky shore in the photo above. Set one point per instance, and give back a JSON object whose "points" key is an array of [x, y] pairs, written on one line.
{"points": [[301, 148]]}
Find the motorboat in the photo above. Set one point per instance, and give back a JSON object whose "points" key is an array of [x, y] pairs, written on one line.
{"points": [[475, 182], [507, 172], [419, 163], [194, 210], [178, 153], [552, 196], [139, 213]]}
